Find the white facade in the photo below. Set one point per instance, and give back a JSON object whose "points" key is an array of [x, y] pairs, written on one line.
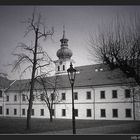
{"points": [[93, 103]]}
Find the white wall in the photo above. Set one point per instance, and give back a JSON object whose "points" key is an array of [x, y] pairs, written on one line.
{"points": [[82, 104]]}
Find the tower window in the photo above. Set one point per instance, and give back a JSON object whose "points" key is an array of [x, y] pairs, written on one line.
{"points": [[0, 94], [58, 68], [63, 67]]}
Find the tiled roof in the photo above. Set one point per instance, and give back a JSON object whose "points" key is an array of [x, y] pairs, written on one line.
{"points": [[4, 82], [89, 75]]}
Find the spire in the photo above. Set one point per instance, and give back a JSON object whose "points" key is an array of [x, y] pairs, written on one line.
{"points": [[64, 52], [64, 40], [63, 31]]}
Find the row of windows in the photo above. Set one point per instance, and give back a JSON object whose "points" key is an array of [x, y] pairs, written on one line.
{"points": [[15, 98], [88, 112], [88, 95], [115, 113], [63, 96], [102, 113], [115, 94], [24, 112], [58, 68]]}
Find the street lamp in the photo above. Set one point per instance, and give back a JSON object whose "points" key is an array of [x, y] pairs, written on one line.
{"points": [[71, 74]]}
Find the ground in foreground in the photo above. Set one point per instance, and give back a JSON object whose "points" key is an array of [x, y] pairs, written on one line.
{"points": [[18, 125]]}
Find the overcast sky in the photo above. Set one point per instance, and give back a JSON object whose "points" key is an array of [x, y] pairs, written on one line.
{"points": [[79, 21]]}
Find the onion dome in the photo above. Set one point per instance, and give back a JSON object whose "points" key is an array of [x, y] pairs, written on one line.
{"points": [[64, 52]]}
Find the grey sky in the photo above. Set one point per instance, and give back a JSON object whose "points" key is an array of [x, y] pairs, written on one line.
{"points": [[79, 22]]}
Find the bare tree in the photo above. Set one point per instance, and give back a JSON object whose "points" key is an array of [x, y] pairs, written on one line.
{"points": [[50, 94], [118, 46], [33, 55]]}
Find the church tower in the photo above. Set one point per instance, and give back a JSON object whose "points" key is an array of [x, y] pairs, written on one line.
{"points": [[64, 55]]}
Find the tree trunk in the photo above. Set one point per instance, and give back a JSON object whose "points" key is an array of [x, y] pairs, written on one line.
{"points": [[51, 118], [28, 126]]}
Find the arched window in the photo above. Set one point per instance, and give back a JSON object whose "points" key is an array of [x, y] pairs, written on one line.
{"points": [[63, 67], [58, 68]]}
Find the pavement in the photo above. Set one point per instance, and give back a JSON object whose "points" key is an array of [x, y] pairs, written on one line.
{"points": [[111, 129]]}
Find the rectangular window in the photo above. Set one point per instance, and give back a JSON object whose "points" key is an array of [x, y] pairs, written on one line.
{"points": [[128, 113], [23, 111], [53, 112], [33, 112], [63, 96], [33, 97], [63, 112], [23, 97], [115, 113], [15, 111], [42, 97], [52, 97], [63, 67], [88, 95], [114, 94], [7, 111], [88, 112], [0, 93], [103, 113], [127, 93], [76, 112], [102, 94], [41, 112], [0, 109], [7, 98], [75, 96], [15, 98], [58, 68]]}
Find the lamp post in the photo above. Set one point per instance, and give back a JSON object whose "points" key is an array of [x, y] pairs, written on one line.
{"points": [[71, 74]]}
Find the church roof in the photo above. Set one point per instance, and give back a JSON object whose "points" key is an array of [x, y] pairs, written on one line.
{"points": [[89, 75]]}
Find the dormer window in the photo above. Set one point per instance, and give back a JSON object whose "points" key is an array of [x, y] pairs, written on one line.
{"points": [[63, 67], [58, 68], [101, 69], [96, 70]]}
